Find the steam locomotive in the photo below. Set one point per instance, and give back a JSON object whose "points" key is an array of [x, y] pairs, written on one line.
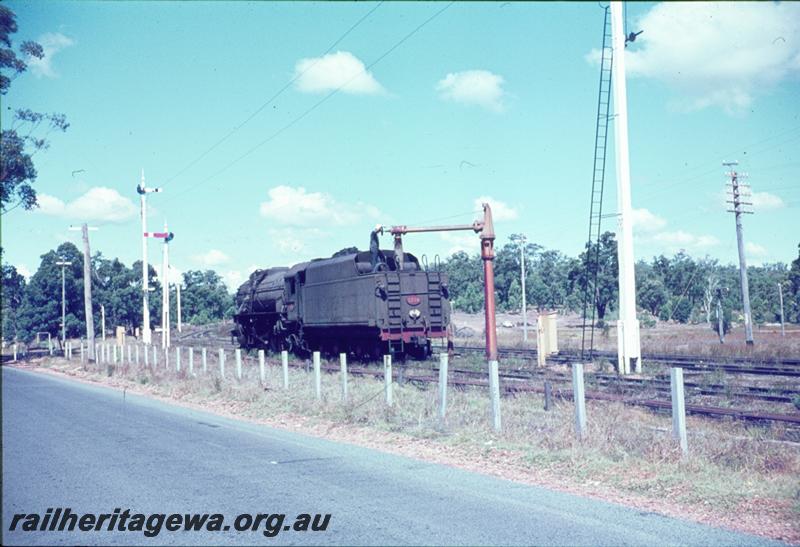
{"points": [[341, 305]]}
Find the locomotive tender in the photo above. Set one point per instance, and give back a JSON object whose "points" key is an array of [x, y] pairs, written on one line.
{"points": [[340, 304]]}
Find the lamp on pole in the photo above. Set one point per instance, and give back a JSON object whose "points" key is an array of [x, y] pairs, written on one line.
{"points": [[63, 263]]}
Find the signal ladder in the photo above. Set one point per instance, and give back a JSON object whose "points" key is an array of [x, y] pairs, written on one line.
{"points": [[591, 265]]}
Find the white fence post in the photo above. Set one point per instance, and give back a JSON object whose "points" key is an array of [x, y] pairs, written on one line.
{"points": [[204, 359], [15, 351], [50, 346], [130, 361], [83, 357], [494, 388], [261, 372], [678, 408], [285, 366], [136, 351], [155, 356], [317, 376], [580, 400], [387, 379], [222, 362], [178, 358], [146, 357], [114, 351], [191, 361], [238, 364], [343, 364], [443, 364]]}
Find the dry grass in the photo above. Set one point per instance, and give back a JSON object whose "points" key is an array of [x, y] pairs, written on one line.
{"points": [[664, 338], [732, 469]]}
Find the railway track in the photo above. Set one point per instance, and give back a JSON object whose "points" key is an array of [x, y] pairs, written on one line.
{"points": [[459, 379], [773, 367]]}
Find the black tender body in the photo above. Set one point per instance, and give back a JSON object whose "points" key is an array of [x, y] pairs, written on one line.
{"points": [[340, 305]]}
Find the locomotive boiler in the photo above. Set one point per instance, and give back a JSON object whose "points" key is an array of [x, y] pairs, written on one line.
{"points": [[344, 305]]}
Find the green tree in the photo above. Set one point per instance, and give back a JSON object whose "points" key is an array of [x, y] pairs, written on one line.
{"points": [[465, 281], [606, 268], [13, 294], [22, 140], [116, 287], [651, 295], [40, 310], [205, 298], [792, 303]]}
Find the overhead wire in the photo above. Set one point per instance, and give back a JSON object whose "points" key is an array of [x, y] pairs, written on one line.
{"points": [[272, 98], [315, 105]]}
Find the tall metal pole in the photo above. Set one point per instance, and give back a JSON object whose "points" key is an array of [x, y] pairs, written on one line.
{"points": [[628, 350], [165, 293], [738, 211], [780, 296], [87, 290], [63, 264], [178, 301], [143, 191], [524, 303], [720, 318], [487, 254]]}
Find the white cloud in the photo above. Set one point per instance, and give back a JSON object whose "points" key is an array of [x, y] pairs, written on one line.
{"points": [[233, 279], [755, 250], [99, 204], [645, 221], [764, 201], [717, 53], [214, 257], [686, 240], [51, 43], [175, 275], [479, 87], [467, 242], [294, 206], [335, 70], [500, 210], [23, 270]]}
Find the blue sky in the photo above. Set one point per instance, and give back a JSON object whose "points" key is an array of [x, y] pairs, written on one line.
{"points": [[486, 100]]}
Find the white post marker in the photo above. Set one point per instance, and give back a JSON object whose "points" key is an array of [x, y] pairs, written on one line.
{"points": [[15, 351], [146, 363], [155, 356], [191, 361], [82, 355], [317, 376], [262, 373], [49, 345], [285, 366], [580, 400], [203, 357], [443, 365], [343, 365], [494, 386], [387, 379], [114, 351], [238, 364], [130, 361], [678, 408], [222, 362], [136, 351], [178, 358]]}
